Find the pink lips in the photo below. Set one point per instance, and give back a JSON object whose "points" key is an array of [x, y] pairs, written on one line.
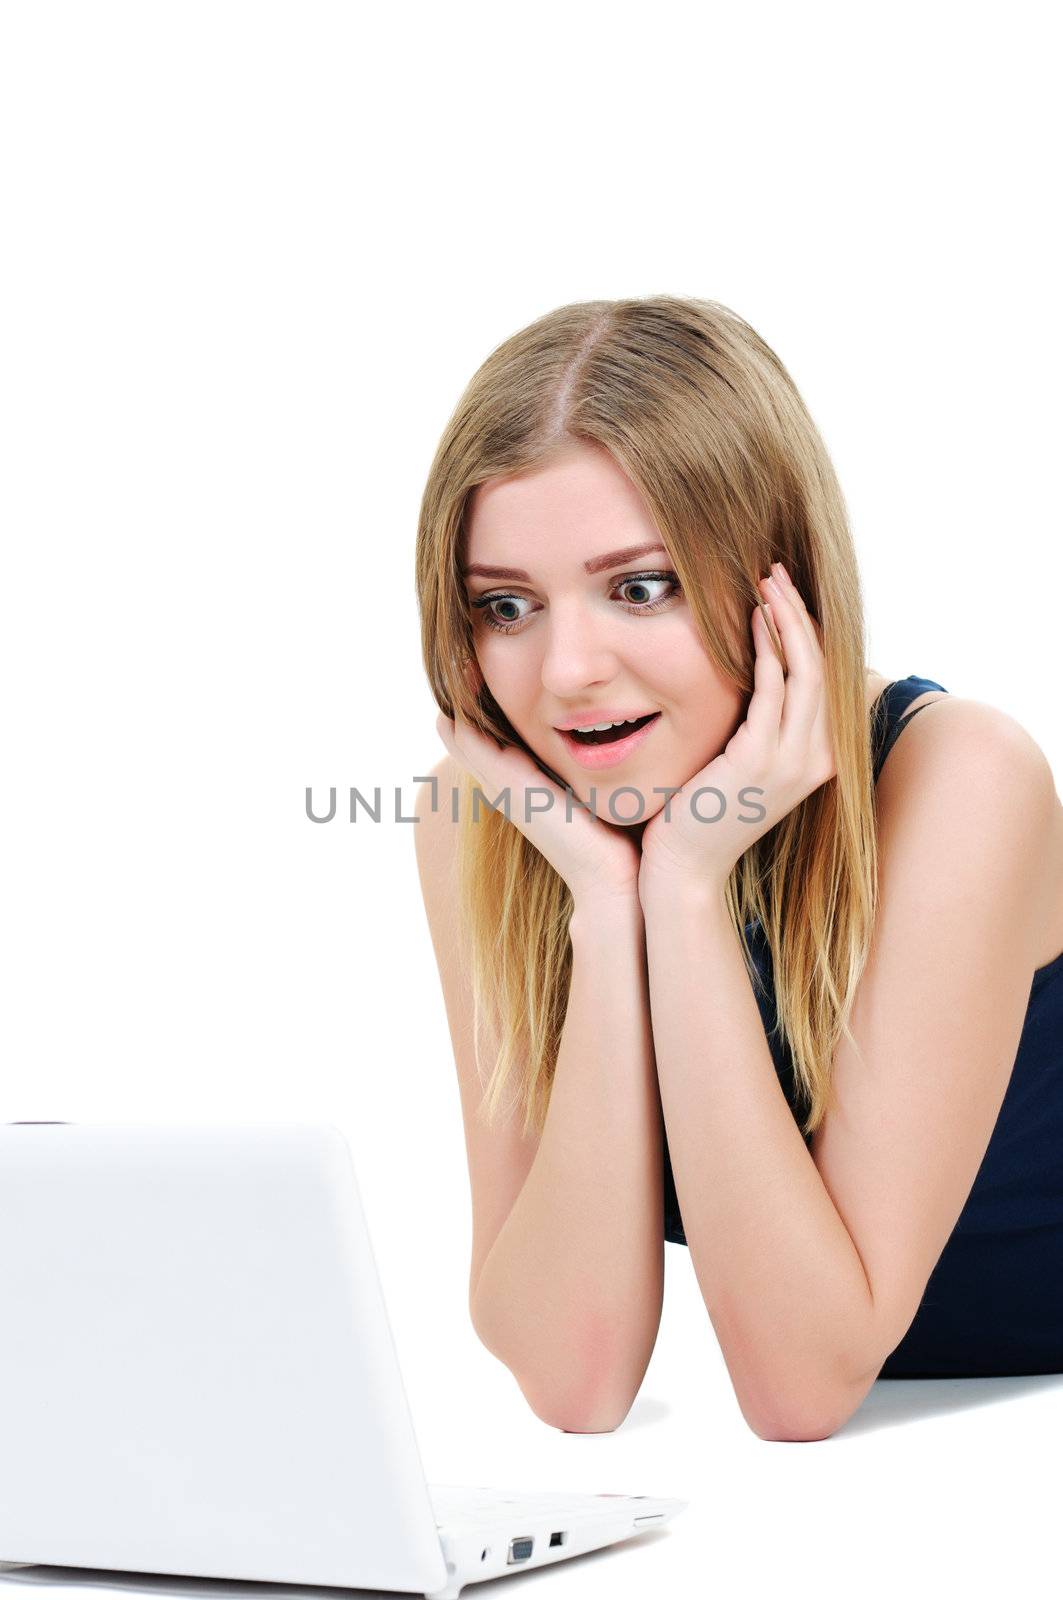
{"points": [[596, 756], [593, 714]]}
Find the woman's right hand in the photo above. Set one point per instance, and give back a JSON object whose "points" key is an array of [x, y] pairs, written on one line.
{"points": [[597, 860]]}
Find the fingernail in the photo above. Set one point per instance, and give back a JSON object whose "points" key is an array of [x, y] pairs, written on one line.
{"points": [[777, 566], [775, 588]]}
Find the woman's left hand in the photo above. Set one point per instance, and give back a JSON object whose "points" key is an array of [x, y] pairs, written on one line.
{"points": [[782, 752]]}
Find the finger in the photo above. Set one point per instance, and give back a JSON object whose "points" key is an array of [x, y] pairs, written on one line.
{"points": [[473, 675], [454, 732], [804, 682], [793, 593], [447, 729], [497, 770], [797, 639], [820, 736], [764, 714]]}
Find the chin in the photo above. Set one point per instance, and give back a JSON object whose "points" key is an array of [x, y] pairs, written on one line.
{"points": [[652, 803], [623, 822]]}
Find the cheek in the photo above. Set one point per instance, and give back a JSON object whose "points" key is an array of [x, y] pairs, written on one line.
{"points": [[707, 709], [511, 681], [675, 654], [497, 663], [688, 678]]}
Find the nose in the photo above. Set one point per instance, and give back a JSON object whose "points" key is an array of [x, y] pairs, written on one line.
{"points": [[580, 650]]}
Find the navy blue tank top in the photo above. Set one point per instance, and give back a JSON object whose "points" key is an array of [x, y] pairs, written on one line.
{"points": [[993, 1305]]}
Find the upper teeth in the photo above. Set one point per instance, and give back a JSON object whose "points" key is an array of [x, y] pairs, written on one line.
{"points": [[600, 727]]}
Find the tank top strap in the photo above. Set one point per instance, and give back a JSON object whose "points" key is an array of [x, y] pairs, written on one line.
{"points": [[888, 715]]}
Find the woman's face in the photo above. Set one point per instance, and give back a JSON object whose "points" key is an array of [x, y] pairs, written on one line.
{"points": [[599, 631]]}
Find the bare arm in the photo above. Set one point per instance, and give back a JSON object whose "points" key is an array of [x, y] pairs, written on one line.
{"points": [[569, 1296]]}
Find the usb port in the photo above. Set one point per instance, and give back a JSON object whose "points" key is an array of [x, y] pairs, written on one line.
{"points": [[557, 1538], [520, 1549]]}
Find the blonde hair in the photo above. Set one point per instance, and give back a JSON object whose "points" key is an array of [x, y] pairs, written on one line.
{"points": [[704, 419]]}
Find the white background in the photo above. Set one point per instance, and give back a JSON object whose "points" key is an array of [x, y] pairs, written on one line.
{"points": [[252, 254]]}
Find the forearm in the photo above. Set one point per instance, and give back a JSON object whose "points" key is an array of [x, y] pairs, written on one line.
{"points": [[569, 1295], [778, 1271]]}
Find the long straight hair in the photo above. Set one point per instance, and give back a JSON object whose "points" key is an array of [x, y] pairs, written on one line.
{"points": [[707, 424]]}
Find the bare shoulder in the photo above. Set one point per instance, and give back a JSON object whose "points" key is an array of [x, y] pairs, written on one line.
{"points": [[968, 777], [434, 833], [973, 741], [985, 727], [965, 808], [446, 773], [436, 838], [499, 1151]]}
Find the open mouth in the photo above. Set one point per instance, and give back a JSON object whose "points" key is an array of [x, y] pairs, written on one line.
{"points": [[612, 735], [613, 746]]}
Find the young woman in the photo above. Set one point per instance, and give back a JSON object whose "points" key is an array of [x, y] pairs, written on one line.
{"points": [[728, 977]]}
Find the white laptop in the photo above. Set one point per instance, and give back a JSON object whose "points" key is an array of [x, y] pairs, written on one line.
{"points": [[197, 1374]]}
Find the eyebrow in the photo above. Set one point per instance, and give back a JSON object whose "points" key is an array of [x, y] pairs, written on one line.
{"points": [[615, 558]]}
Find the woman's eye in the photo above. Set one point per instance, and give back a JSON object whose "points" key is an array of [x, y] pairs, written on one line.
{"points": [[641, 603], [647, 582], [504, 624]]}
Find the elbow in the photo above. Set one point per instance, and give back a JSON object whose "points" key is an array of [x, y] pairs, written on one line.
{"points": [[801, 1403], [592, 1396], [575, 1398], [783, 1432], [572, 1403], [582, 1409], [801, 1418]]}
